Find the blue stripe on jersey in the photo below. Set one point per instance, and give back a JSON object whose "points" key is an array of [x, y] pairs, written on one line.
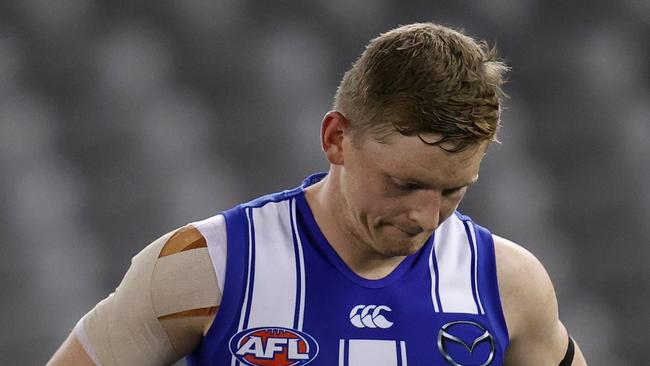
{"points": [[434, 265], [399, 353], [251, 268], [298, 278]]}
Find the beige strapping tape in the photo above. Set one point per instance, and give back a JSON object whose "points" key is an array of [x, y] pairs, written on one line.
{"points": [[123, 329], [184, 281]]}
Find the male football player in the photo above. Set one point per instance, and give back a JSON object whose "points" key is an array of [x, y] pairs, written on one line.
{"points": [[367, 264]]}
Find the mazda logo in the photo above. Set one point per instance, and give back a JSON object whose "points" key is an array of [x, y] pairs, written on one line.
{"points": [[450, 333]]}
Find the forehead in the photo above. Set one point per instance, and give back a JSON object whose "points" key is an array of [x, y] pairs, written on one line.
{"points": [[408, 158]]}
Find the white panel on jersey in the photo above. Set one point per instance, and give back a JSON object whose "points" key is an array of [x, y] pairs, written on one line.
{"points": [[213, 230], [364, 352], [274, 284], [454, 259]]}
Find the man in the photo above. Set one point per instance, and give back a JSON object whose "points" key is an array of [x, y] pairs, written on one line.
{"points": [[368, 264]]}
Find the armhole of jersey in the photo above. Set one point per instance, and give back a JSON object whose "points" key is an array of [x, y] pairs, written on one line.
{"points": [[490, 295], [214, 231], [228, 249]]}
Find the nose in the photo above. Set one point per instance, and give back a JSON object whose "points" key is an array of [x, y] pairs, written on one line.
{"points": [[425, 210]]}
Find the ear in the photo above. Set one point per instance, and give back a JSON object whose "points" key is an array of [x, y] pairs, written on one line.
{"points": [[331, 136]]}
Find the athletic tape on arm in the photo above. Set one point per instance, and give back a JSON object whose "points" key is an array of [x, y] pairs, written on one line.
{"points": [[196, 288], [124, 329]]}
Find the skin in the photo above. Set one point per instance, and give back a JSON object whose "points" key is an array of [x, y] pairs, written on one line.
{"points": [[378, 204]]}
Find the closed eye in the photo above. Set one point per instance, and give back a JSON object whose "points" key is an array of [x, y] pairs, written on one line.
{"points": [[408, 186], [403, 186], [449, 192]]}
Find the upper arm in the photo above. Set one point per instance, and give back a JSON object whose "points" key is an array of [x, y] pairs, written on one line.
{"points": [[185, 291], [159, 312], [537, 336], [71, 353]]}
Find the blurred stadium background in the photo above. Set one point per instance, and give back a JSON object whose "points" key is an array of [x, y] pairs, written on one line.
{"points": [[121, 120]]}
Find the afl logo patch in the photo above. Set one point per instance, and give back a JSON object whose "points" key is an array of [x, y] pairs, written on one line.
{"points": [[273, 346]]}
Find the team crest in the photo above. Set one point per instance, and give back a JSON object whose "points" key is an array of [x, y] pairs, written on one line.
{"points": [[273, 346]]}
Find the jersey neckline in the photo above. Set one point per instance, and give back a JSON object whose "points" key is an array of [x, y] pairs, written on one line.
{"points": [[319, 239]]}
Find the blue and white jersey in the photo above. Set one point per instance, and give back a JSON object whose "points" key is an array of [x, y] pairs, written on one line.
{"points": [[289, 299]]}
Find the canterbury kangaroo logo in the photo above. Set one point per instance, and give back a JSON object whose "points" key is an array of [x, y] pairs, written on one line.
{"points": [[369, 316]]}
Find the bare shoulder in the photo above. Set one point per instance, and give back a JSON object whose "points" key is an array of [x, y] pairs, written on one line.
{"points": [[526, 290], [537, 336]]}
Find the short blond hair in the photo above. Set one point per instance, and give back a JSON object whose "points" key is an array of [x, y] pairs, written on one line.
{"points": [[424, 78]]}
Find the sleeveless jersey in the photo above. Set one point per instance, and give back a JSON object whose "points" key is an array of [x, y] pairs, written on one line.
{"points": [[290, 300]]}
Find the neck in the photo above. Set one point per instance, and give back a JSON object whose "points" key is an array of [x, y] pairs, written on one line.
{"points": [[328, 207]]}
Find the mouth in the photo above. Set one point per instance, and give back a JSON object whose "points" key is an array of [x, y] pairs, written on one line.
{"points": [[407, 231]]}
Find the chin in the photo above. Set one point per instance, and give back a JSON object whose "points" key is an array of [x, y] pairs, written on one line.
{"points": [[401, 248]]}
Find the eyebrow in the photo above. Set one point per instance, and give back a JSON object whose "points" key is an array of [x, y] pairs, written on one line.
{"points": [[427, 185]]}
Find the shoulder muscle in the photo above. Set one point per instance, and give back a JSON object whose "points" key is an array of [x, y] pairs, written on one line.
{"points": [[530, 306], [523, 282]]}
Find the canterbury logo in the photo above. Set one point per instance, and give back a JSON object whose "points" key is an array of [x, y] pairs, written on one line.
{"points": [[369, 316]]}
